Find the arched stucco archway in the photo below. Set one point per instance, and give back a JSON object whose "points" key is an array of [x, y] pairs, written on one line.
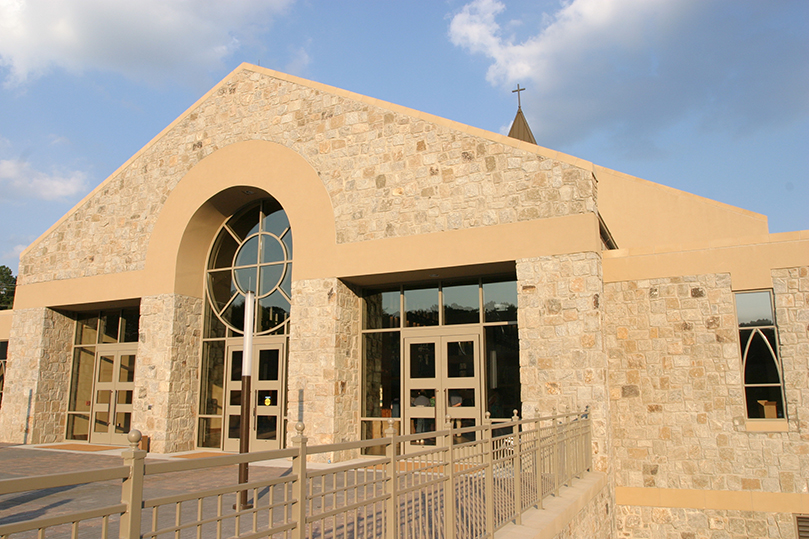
{"points": [[220, 184]]}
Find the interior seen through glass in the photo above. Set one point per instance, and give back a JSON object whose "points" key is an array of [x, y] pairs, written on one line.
{"points": [[489, 306]]}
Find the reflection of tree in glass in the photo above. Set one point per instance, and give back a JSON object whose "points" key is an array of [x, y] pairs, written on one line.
{"points": [[754, 323], [500, 312], [8, 284], [423, 317]]}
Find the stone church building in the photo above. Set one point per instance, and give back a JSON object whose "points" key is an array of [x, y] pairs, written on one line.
{"points": [[397, 256]]}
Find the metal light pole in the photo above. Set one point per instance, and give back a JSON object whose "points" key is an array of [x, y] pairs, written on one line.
{"points": [[247, 369]]}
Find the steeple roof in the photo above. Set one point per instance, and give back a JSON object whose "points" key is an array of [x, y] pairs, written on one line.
{"points": [[520, 130]]}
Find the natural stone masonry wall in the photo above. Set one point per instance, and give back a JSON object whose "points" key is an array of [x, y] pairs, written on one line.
{"points": [[562, 363], [167, 371], [387, 173], [791, 289], [594, 521], [324, 370], [663, 522], [38, 377], [678, 402]]}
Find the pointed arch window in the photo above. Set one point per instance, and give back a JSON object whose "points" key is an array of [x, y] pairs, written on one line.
{"points": [[761, 366]]}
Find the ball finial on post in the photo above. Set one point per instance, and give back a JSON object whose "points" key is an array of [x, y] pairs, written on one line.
{"points": [[134, 437]]}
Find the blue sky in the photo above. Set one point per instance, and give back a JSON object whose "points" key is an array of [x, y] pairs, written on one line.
{"points": [[707, 96]]}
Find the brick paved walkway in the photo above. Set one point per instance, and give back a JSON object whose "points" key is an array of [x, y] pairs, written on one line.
{"points": [[22, 461]]}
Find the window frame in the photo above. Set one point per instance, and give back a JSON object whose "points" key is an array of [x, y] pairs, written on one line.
{"points": [[761, 423]]}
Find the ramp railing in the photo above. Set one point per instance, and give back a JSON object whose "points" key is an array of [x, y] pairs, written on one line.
{"points": [[459, 483]]}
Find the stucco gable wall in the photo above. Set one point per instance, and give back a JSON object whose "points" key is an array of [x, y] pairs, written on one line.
{"points": [[389, 172], [640, 213]]}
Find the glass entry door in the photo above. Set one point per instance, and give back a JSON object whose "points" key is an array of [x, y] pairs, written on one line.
{"points": [[266, 399], [112, 396], [443, 376]]}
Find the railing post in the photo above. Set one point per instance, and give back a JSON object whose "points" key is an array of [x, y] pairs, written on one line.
{"points": [[488, 457], [566, 440], [517, 468], [556, 457], [449, 485], [588, 445], [299, 491], [538, 462], [132, 488], [391, 485]]}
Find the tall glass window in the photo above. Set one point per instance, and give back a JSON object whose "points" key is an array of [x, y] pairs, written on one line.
{"points": [[252, 252], [761, 366], [487, 306], [95, 333]]}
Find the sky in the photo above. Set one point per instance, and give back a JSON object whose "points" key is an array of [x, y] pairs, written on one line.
{"points": [[707, 96]]}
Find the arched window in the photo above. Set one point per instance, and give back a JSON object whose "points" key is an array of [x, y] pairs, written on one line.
{"points": [[252, 252], [761, 368]]}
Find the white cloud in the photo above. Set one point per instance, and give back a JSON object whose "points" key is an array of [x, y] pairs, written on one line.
{"points": [[14, 252], [11, 258], [299, 62], [57, 140], [19, 180], [641, 66], [151, 40]]}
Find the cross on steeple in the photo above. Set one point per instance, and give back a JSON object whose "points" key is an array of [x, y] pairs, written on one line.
{"points": [[517, 91]]}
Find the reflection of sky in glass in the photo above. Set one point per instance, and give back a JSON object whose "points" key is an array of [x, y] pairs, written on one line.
{"points": [[754, 308], [248, 254], [462, 297], [288, 242], [286, 285], [276, 223], [390, 303], [271, 249], [425, 299], [500, 295], [270, 276], [246, 279]]}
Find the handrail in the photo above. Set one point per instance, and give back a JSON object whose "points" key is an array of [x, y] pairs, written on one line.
{"points": [[41, 482], [478, 485], [211, 462], [41, 523]]}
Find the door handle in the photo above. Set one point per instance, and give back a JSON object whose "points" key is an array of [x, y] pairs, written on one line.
{"points": [[114, 401]]}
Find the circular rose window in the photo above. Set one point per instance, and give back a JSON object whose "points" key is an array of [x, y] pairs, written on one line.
{"points": [[252, 252]]}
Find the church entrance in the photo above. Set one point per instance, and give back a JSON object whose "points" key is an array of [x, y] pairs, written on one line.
{"points": [[114, 387], [432, 350], [443, 378], [267, 393]]}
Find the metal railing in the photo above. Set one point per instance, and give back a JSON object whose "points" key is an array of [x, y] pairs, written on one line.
{"points": [[453, 483]]}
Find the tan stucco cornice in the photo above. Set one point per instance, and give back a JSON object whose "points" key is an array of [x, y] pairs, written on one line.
{"points": [[102, 290], [749, 260]]}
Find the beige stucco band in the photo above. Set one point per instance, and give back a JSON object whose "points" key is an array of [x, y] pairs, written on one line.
{"points": [[5, 324], [748, 260], [739, 500]]}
